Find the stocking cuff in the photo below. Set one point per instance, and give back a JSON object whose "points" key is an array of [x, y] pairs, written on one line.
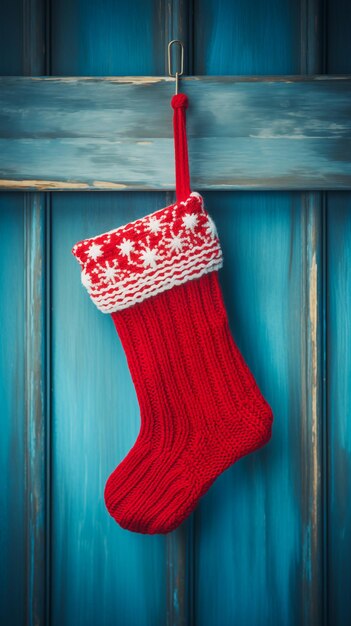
{"points": [[143, 258]]}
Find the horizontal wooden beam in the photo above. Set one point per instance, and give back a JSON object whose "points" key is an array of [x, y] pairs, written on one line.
{"points": [[113, 133]]}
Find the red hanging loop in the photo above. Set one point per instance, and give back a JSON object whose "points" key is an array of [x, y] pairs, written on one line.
{"points": [[179, 103]]}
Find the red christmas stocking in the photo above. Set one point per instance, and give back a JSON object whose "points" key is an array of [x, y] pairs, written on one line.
{"points": [[200, 407]]}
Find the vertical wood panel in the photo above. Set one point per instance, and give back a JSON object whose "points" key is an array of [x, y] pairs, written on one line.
{"points": [[11, 38], [266, 550], [313, 36], [339, 40], [108, 38], [120, 575], [23, 52], [12, 397], [102, 574], [339, 403], [35, 17], [338, 284], [312, 417], [35, 407], [36, 220], [250, 531], [246, 37], [12, 450], [313, 422]]}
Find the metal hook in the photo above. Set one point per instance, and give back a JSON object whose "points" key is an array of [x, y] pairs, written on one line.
{"points": [[181, 59]]}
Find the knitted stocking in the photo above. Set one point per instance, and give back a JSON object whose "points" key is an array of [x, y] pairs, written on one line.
{"points": [[200, 407]]}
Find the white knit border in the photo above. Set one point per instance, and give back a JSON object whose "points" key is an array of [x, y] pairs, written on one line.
{"points": [[138, 297], [151, 275], [124, 292], [128, 296]]}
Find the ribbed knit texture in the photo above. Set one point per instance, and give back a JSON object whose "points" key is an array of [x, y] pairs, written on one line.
{"points": [[200, 407]]}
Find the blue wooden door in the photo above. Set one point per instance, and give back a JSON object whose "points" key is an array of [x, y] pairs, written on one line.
{"points": [[270, 542]]}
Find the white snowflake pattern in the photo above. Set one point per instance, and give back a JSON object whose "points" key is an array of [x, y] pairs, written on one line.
{"points": [[86, 280], [211, 229], [126, 247], [154, 225], [176, 243], [94, 251], [190, 221], [149, 257], [109, 273]]}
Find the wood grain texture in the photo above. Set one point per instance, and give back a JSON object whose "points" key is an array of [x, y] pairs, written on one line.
{"points": [[247, 38], [269, 543], [312, 420], [251, 530], [11, 38], [13, 572], [99, 38], [26, 484], [35, 414], [101, 573], [13, 526], [338, 53], [338, 362], [36, 34], [259, 532], [313, 350], [339, 403], [116, 133], [313, 36], [123, 576], [37, 347]]}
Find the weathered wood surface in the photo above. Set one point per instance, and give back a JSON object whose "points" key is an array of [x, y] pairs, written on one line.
{"points": [[338, 363], [259, 532], [270, 537], [338, 286], [116, 133], [102, 573], [13, 444]]}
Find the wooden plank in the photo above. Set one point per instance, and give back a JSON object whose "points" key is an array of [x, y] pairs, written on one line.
{"points": [[101, 573], [96, 421], [313, 315], [13, 521], [35, 37], [247, 38], [338, 362], [36, 364], [36, 452], [265, 552], [313, 47], [11, 38], [110, 38], [252, 527], [177, 590], [339, 40], [12, 441], [312, 470], [338, 404], [116, 133]]}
